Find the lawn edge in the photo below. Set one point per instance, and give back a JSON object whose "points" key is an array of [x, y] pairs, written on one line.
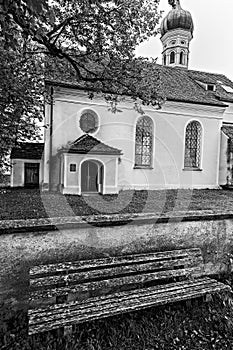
{"points": [[56, 223]]}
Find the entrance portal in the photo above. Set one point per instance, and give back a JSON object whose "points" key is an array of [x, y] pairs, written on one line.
{"points": [[91, 177], [31, 174]]}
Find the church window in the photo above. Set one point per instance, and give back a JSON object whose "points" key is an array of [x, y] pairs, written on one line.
{"points": [[172, 57], [164, 60], [143, 142], [89, 121], [72, 168], [192, 145], [182, 57], [210, 87]]}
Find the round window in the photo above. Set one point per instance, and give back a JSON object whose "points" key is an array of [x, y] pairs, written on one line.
{"points": [[89, 121]]}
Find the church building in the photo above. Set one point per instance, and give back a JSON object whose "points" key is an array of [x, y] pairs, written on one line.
{"points": [[188, 143]]}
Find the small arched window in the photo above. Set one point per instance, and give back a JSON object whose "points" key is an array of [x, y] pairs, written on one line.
{"points": [[172, 57], [144, 142], [164, 60], [182, 57], [192, 156]]}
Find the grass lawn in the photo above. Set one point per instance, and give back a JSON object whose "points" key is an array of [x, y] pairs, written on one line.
{"points": [[31, 203], [197, 325]]}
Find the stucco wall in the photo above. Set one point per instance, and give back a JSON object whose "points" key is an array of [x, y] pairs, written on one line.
{"points": [[20, 251], [223, 171], [17, 171], [72, 180], [118, 130], [228, 115]]}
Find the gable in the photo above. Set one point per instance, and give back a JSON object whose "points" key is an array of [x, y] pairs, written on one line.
{"points": [[89, 144]]}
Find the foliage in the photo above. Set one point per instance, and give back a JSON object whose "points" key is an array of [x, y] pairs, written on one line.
{"points": [[93, 41], [96, 37], [21, 102]]}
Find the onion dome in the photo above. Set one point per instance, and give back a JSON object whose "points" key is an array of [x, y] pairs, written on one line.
{"points": [[177, 18]]}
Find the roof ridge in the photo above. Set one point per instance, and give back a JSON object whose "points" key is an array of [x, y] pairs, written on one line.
{"points": [[84, 136], [209, 73]]}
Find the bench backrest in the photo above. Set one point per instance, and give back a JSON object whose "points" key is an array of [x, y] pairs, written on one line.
{"points": [[64, 282]]}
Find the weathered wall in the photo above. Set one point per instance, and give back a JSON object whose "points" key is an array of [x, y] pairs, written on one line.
{"points": [[20, 251]]}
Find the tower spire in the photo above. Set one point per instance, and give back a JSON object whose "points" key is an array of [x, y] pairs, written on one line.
{"points": [[176, 33], [174, 3]]}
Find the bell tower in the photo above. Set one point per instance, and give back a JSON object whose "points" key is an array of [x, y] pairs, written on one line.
{"points": [[176, 33]]}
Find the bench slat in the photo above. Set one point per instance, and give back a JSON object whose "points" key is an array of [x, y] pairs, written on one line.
{"points": [[127, 259], [81, 277], [120, 303], [116, 282], [205, 281]]}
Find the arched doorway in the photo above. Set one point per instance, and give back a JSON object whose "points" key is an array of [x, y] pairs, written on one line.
{"points": [[91, 177]]}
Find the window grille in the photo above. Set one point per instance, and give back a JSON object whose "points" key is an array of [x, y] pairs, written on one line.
{"points": [[143, 144], [192, 145]]}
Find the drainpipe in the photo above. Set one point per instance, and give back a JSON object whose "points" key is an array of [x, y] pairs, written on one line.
{"points": [[50, 138]]}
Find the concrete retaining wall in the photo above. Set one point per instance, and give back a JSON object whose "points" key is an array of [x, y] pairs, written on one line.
{"points": [[20, 251]]}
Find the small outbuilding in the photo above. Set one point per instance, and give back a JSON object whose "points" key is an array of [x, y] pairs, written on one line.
{"points": [[26, 162]]}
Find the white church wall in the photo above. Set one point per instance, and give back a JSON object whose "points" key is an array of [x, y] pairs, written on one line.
{"points": [[228, 115], [46, 157], [72, 180], [17, 172], [118, 130], [223, 160]]}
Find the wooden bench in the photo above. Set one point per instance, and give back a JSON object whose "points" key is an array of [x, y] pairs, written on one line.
{"points": [[65, 294]]}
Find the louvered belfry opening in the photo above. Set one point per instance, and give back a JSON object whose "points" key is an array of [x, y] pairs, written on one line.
{"points": [[193, 145]]}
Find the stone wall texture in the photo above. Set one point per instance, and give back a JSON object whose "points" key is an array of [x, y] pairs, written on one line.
{"points": [[20, 251]]}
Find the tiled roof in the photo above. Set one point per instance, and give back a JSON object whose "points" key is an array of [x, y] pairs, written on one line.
{"points": [[228, 130], [217, 79], [27, 150], [89, 144], [179, 84]]}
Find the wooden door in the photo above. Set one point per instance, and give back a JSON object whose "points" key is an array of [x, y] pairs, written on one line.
{"points": [[89, 177], [31, 174]]}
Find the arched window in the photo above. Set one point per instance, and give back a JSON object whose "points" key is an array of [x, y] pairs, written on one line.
{"points": [[164, 60], [172, 57], [182, 57], [144, 142], [192, 145]]}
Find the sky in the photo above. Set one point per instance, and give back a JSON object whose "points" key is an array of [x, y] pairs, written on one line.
{"points": [[211, 48]]}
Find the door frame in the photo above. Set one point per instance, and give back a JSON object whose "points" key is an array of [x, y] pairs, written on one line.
{"points": [[100, 179], [36, 166]]}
